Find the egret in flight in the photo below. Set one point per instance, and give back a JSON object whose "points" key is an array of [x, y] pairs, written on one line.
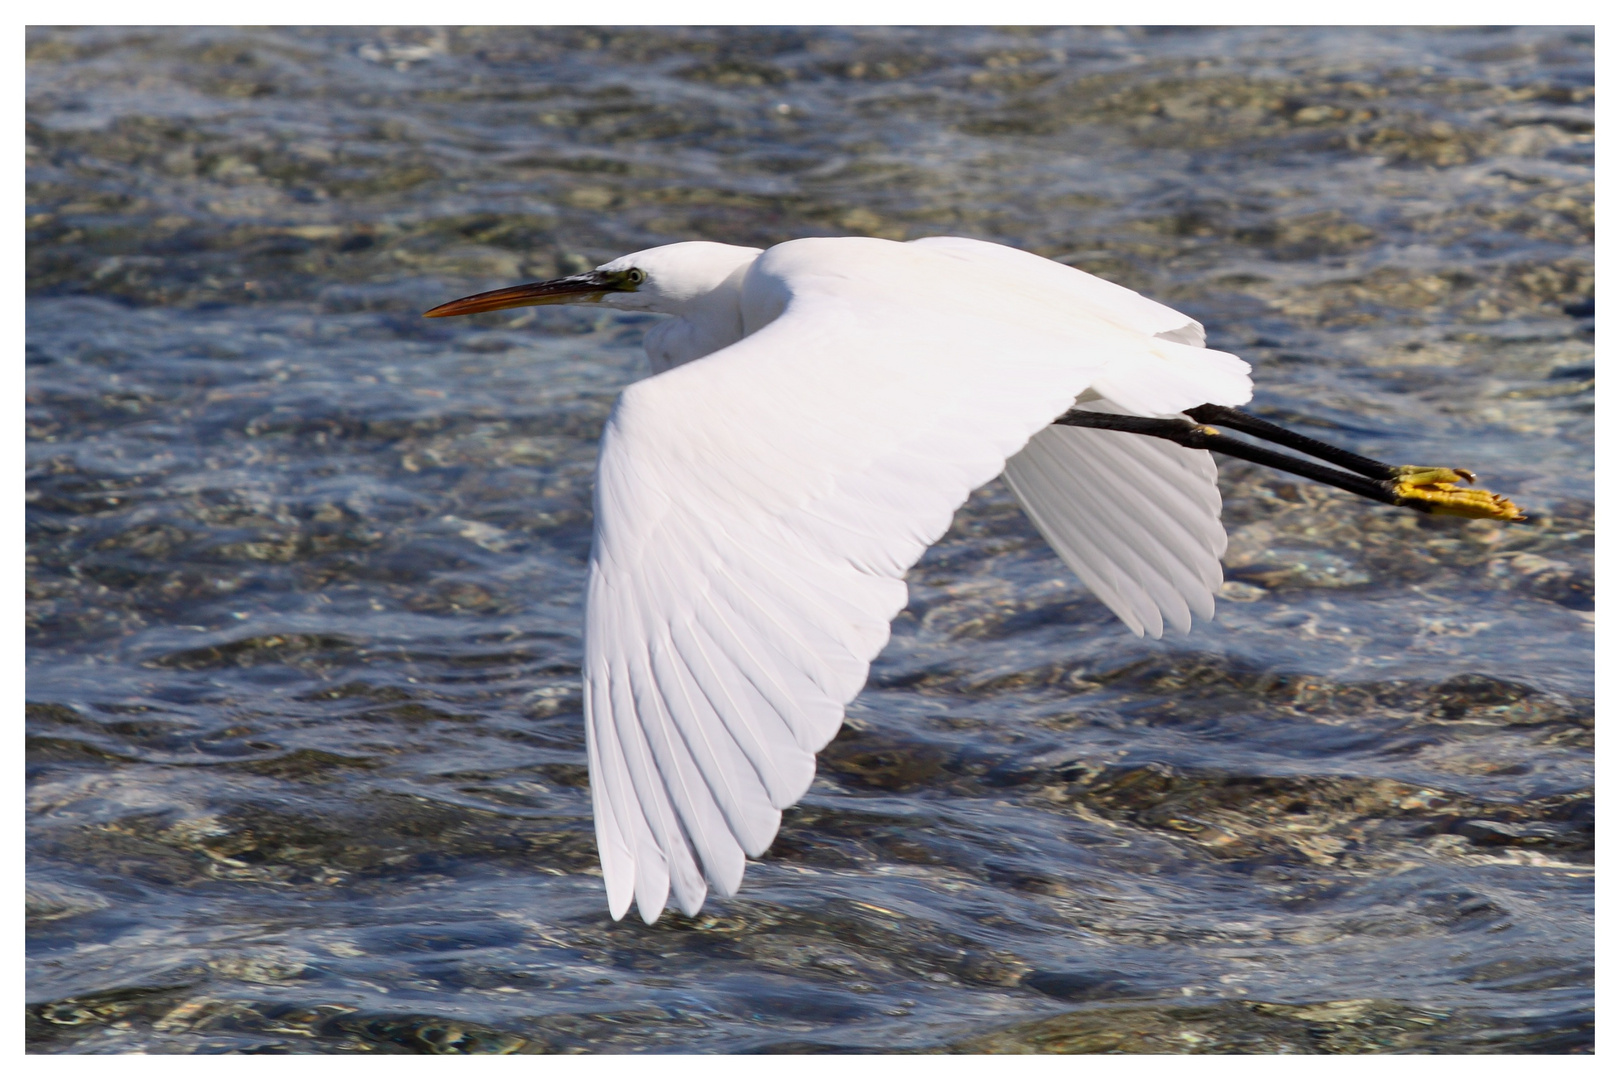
{"points": [[817, 413]]}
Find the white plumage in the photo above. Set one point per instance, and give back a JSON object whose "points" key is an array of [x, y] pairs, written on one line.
{"points": [[820, 411]]}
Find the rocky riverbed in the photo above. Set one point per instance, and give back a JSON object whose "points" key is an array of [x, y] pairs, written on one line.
{"points": [[306, 768]]}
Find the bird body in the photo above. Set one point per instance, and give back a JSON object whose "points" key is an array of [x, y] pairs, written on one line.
{"points": [[818, 412]]}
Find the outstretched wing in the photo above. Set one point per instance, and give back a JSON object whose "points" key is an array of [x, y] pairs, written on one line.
{"points": [[757, 509], [1137, 519]]}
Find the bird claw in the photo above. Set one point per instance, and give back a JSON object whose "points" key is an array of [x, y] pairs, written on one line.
{"points": [[1435, 490]]}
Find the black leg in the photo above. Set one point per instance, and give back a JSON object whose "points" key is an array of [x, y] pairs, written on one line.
{"points": [[1265, 429], [1430, 490]]}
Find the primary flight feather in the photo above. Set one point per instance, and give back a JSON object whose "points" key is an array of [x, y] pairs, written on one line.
{"points": [[818, 412]]}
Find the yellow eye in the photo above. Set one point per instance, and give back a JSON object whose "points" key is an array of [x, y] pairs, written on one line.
{"points": [[634, 276]]}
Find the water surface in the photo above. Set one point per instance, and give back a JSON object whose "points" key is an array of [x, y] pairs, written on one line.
{"points": [[305, 570]]}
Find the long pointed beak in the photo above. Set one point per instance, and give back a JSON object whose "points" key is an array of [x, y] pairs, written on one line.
{"points": [[580, 288]]}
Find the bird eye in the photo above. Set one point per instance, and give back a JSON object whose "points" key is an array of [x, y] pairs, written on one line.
{"points": [[633, 276]]}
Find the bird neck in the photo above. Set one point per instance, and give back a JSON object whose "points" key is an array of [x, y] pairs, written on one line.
{"points": [[705, 324]]}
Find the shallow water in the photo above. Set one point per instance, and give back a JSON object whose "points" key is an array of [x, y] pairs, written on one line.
{"points": [[306, 767]]}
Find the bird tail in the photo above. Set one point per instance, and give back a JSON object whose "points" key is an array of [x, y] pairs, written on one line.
{"points": [[1169, 376]]}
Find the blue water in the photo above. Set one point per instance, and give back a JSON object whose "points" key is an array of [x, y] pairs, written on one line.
{"points": [[306, 769]]}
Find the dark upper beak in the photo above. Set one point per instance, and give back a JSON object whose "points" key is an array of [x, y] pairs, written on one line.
{"points": [[580, 288]]}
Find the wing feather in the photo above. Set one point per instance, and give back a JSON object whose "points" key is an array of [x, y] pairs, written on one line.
{"points": [[714, 783], [1092, 512], [609, 808], [1127, 508], [1148, 532], [808, 717], [649, 811]]}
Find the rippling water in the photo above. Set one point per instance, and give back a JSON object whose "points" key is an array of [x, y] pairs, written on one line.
{"points": [[306, 762]]}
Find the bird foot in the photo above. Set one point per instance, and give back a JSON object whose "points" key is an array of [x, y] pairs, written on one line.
{"points": [[1435, 490]]}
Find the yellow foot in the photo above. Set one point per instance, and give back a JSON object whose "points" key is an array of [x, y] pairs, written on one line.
{"points": [[1435, 490]]}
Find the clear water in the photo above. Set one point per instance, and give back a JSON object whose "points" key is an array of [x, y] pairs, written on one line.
{"points": [[306, 766]]}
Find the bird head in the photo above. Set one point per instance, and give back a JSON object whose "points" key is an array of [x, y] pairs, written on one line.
{"points": [[668, 280]]}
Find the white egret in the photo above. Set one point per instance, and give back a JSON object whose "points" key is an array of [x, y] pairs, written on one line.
{"points": [[818, 412]]}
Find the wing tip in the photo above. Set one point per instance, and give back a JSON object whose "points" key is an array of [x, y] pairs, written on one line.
{"points": [[618, 906]]}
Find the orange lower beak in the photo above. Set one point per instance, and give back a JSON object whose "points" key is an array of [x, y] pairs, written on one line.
{"points": [[578, 289]]}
